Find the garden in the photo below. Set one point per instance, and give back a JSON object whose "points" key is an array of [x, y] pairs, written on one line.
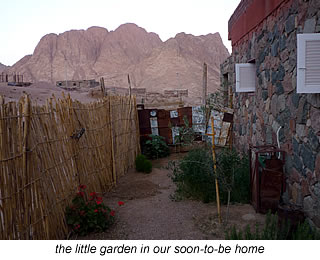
{"points": [[173, 196]]}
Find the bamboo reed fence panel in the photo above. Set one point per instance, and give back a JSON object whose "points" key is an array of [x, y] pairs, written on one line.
{"points": [[42, 162]]}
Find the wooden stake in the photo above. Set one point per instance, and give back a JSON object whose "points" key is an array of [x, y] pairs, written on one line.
{"points": [[215, 168], [205, 83], [129, 85]]}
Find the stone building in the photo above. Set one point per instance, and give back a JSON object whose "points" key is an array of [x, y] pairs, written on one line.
{"points": [[272, 80]]}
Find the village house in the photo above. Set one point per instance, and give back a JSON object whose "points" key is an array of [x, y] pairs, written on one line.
{"points": [[272, 80]]}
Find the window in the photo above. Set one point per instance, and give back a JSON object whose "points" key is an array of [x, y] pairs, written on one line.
{"points": [[308, 63], [245, 77]]}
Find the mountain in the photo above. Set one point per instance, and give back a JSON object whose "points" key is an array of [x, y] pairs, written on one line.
{"points": [[2, 67], [151, 63]]}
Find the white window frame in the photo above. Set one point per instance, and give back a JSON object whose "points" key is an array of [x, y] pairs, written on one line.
{"points": [[251, 70], [302, 87]]}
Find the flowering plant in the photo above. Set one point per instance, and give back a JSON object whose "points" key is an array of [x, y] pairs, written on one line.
{"points": [[88, 213]]}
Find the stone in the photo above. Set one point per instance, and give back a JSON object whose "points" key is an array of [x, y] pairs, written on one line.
{"points": [[314, 99], [313, 140], [296, 146], [249, 217], [295, 98], [281, 73], [292, 125], [273, 77], [309, 25], [275, 126], [297, 163], [279, 88], [305, 188], [294, 176], [315, 119], [307, 156], [281, 103], [317, 29], [283, 43], [284, 117], [308, 122], [290, 24], [269, 135], [302, 111], [274, 49], [274, 102], [317, 167], [300, 130], [308, 206], [267, 74], [316, 190]]}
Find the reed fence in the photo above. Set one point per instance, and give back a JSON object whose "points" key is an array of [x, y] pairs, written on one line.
{"points": [[47, 151]]}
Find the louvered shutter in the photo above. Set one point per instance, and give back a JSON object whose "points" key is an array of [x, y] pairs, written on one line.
{"points": [[308, 63], [245, 77]]}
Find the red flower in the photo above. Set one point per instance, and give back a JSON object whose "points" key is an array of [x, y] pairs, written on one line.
{"points": [[77, 227], [112, 213], [99, 198], [82, 213], [82, 187], [80, 193], [96, 211], [120, 203], [93, 194], [98, 202]]}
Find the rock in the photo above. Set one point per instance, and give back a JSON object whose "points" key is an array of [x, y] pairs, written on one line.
{"points": [[274, 49], [309, 25], [308, 206], [314, 100], [297, 163], [279, 88], [295, 98], [249, 217], [305, 188], [300, 130], [313, 140], [130, 49], [282, 44], [290, 24], [315, 119], [281, 103], [307, 156], [317, 166], [302, 111]]}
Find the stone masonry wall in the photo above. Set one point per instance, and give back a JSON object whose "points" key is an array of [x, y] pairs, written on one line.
{"points": [[273, 46]]}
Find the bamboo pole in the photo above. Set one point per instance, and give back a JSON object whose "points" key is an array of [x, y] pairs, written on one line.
{"points": [[215, 168]]}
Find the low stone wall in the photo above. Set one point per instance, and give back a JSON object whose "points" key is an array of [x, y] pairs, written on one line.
{"points": [[276, 103]]}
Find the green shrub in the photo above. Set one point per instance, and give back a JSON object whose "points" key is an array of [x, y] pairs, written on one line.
{"points": [[193, 175], [273, 230], [88, 214], [234, 176], [156, 147], [143, 164]]}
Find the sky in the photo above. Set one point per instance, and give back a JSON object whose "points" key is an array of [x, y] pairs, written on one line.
{"points": [[24, 22]]}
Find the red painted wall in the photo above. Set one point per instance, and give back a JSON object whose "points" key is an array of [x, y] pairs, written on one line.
{"points": [[248, 15]]}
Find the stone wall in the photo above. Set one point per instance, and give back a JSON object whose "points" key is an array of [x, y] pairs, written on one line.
{"points": [[273, 46]]}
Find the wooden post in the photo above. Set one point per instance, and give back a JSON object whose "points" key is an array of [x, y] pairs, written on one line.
{"points": [[215, 168], [103, 89], [205, 83], [129, 85]]}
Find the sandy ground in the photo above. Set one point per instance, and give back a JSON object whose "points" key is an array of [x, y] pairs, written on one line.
{"points": [[150, 213]]}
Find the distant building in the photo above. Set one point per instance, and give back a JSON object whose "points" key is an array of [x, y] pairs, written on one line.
{"points": [[272, 80], [77, 84]]}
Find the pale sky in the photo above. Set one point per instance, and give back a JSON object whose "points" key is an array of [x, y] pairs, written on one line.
{"points": [[24, 22]]}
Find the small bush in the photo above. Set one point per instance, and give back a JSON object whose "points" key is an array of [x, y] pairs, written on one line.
{"points": [[193, 175], [234, 175], [86, 215], [143, 164], [155, 148]]}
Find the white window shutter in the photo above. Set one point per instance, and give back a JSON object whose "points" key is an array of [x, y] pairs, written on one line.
{"points": [[308, 63], [245, 77]]}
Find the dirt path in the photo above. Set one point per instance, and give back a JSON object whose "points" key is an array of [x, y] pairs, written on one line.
{"points": [[150, 213]]}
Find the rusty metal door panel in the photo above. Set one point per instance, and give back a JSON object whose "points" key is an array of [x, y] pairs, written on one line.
{"points": [[144, 122], [185, 111]]}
